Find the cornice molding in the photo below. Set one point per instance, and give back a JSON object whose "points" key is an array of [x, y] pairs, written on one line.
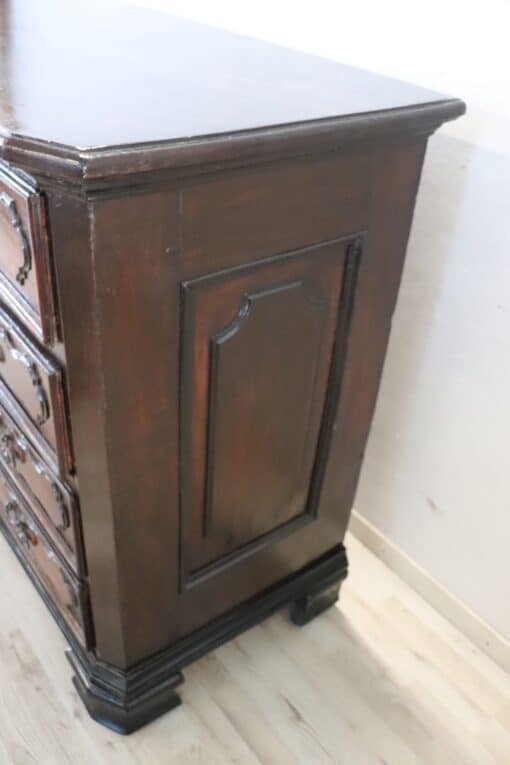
{"points": [[111, 167]]}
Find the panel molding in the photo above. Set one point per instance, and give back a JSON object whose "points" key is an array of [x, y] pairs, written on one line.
{"points": [[217, 341], [336, 376], [191, 577]]}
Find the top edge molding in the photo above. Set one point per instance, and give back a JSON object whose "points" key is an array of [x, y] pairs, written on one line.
{"points": [[129, 165]]}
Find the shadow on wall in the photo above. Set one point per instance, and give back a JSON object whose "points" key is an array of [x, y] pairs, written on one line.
{"points": [[434, 478]]}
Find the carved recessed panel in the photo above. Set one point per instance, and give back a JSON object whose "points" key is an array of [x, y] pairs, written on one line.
{"points": [[257, 349]]}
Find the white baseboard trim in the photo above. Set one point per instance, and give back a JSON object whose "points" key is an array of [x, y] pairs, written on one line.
{"points": [[455, 611]]}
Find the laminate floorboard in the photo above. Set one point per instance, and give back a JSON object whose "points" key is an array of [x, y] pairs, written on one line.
{"points": [[381, 680]]}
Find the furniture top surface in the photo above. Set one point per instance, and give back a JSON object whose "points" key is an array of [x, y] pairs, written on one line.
{"points": [[108, 74]]}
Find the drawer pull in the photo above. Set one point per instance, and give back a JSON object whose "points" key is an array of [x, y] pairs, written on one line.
{"points": [[8, 449], [64, 514], [47, 564], [24, 532], [40, 468], [15, 221], [14, 449], [12, 509], [74, 603], [25, 359], [26, 535]]}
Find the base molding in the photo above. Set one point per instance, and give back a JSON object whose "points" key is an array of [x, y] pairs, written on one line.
{"points": [[125, 700], [455, 611], [123, 713]]}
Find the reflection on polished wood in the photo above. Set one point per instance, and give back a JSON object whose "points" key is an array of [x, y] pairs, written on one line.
{"points": [[150, 76]]}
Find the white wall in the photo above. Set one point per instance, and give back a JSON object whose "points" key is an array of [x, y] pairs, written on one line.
{"points": [[435, 479]]}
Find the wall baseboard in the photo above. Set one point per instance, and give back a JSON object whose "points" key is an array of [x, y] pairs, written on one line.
{"points": [[455, 611]]}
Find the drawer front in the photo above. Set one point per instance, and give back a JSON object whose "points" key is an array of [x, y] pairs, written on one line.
{"points": [[68, 595], [36, 382], [54, 502], [26, 281]]}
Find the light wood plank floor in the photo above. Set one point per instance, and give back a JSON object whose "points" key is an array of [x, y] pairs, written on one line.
{"points": [[383, 681]]}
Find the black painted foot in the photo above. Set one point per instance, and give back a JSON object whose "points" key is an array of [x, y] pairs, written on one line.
{"points": [[308, 606], [120, 701], [124, 700]]}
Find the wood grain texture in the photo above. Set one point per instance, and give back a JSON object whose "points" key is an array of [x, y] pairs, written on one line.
{"points": [[388, 226], [136, 312], [385, 680], [69, 218], [128, 376], [260, 212], [257, 344]]}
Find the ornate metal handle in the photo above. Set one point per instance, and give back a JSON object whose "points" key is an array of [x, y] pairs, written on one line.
{"points": [[15, 221], [25, 533], [28, 537], [7, 448], [13, 448], [41, 469], [31, 367], [12, 510], [64, 513], [74, 602]]}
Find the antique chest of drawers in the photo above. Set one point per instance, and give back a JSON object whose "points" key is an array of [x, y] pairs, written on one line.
{"points": [[201, 241]]}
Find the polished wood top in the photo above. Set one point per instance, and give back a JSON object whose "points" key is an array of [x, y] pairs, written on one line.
{"points": [[103, 74]]}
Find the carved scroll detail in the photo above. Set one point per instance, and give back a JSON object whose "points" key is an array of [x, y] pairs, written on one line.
{"points": [[15, 221], [13, 449], [31, 367]]}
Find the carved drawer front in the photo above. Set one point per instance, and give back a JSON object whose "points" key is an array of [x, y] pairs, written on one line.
{"points": [[36, 382], [26, 281], [67, 595], [257, 350], [53, 502]]}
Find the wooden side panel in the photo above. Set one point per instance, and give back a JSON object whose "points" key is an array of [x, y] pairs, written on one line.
{"points": [[136, 312], [396, 175], [261, 382], [74, 261], [248, 215], [122, 328], [391, 173], [257, 347], [122, 264]]}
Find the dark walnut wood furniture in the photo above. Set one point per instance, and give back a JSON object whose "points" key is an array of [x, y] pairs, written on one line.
{"points": [[201, 242]]}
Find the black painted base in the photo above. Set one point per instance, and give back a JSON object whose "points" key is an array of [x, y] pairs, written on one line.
{"points": [[308, 606], [125, 713], [126, 700]]}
